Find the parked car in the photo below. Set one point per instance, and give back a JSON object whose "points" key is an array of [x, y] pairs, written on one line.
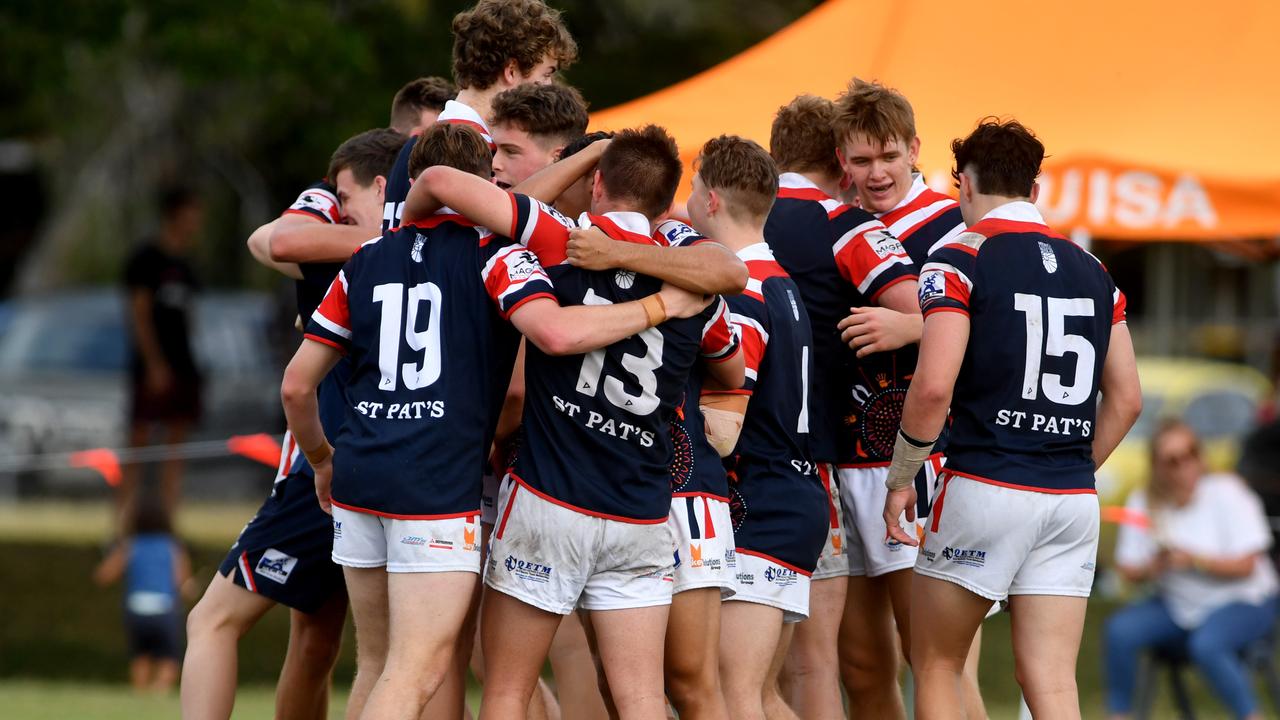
{"points": [[1219, 400], [64, 373]]}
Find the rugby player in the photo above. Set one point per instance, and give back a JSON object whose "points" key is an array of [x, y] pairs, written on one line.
{"points": [[416, 106], [878, 146], [531, 125], [283, 553], [1022, 331], [840, 257], [583, 515], [779, 505]]}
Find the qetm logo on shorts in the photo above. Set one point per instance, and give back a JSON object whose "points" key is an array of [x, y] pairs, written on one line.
{"points": [[525, 570], [275, 565], [972, 558], [337, 529], [782, 577]]}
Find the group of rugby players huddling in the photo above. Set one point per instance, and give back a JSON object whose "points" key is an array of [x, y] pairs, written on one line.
{"points": [[678, 453]]}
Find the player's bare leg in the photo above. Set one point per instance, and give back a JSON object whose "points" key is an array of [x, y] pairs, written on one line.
{"points": [[973, 704], [427, 611], [899, 584], [869, 651], [602, 682], [575, 671], [692, 652], [214, 628], [450, 699], [367, 592], [314, 641], [775, 706], [749, 637], [810, 678], [946, 617], [140, 672], [631, 649], [1046, 644], [164, 675], [512, 660]]}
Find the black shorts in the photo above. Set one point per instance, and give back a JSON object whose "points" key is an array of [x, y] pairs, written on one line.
{"points": [[285, 553], [155, 636], [182, 401]]}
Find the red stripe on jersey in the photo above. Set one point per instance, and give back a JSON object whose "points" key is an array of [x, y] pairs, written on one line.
{"points": [[995, 226], [774, 560], [707, 495], [833, 515], [863, 254], [612, 229], [522, 301], [325, 341], [718, 337], [891, 283], [1027, 488], [247, 572], [397, 516], [484, 131], [437, 220], [305, 214], [955, 288], [506, 512], [936, 511], [1118, 308], [923, 200], [933, 310], [813, 194], [334, 307], [584, 511], [753, 344]]}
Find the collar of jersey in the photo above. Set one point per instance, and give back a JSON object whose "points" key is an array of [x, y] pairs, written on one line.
{"points": [[917, 187], [757, 251], [1016, 211], [455, 111], [620, 225]]}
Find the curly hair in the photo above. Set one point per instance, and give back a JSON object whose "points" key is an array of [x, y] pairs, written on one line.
{"points": [[743, 172], [801, 139], [495, 32], [1005, 157]]}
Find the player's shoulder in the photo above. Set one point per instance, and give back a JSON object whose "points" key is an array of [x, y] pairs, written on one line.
{"points": [[677, 233]]}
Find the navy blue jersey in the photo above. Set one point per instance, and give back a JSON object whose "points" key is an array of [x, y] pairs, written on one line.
{"points": [[841, 257], [696, 468], [398, 184], [596, 427], [778, 500], [1040, 310], [410, 310]]}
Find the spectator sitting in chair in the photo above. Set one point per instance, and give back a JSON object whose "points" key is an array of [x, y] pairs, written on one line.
{"points": [[1205, 550]]}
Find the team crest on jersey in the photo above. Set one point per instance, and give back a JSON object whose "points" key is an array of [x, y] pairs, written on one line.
{"points": [[520, 265], [933, 285], [275, 565], [416, 252], [1048, 258], [884, 243], [625, 279]]}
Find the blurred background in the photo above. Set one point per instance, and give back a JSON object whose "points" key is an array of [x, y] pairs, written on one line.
{"points": [[109, 102]]}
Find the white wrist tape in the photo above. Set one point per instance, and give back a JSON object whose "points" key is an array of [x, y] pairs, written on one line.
{"points": [[908, 456]]}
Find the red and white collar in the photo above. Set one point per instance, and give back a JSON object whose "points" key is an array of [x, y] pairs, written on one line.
{"points": [[1017, 211]]}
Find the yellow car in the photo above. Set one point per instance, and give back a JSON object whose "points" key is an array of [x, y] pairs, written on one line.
{"points": [[1219, 400]]}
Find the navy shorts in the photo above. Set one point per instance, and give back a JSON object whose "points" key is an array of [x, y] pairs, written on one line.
{"points": [[154, 636], [285, 552]]}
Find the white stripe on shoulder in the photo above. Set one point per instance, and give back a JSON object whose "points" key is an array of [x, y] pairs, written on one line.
{"points": [[747, 321], [879, 270], [849, 236], [342, 278], [950, 237], [948, 268], [915, 217], [330, 325]]}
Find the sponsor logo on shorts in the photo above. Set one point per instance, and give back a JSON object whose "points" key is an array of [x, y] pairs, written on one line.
{"points": [[1088, 566], [747, 578], [438, 544], [530, 571], [780, 576], [275, 565], [469, 539], [337, 529], [837, 543], [731, 558], [970, 557], [413, 540], [929, 554], [696, 560]]}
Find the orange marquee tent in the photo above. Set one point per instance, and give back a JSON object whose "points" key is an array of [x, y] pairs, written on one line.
{"points": [[1159, 117]]}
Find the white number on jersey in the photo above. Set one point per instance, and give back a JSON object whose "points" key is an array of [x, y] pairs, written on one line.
{"points": [[802, 423], [1059, 343], [642, 368], [417, 374]]}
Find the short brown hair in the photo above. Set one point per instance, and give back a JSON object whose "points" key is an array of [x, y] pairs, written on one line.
{"points": [[425, 93], [642, 167], [556, 112], [742, 171], [368, 155], [801, 139], [495, 32], [454, 145], [882, 114], [1005, 157]]}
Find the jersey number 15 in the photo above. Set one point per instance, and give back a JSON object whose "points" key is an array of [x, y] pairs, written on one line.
{"points": [[1058, 344]]}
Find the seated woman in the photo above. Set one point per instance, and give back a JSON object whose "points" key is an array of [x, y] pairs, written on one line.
{"points": [[1205, 550]]}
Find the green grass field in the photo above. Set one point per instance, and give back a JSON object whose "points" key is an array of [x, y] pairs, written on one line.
{"points": [[62, 651]]}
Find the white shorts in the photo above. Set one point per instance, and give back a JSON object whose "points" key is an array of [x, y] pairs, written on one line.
{"points": [[365, 540], [489, 498], [998, 541], [867, 544], [762, 580], [556, 558], [832, 562], [705, 554]]}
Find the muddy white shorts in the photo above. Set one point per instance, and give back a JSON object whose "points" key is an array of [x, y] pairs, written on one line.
{"points": [[703, 533], [766, 581], [867, 544], [365, 540], [557, 558], [832, 562], [999, 541]]}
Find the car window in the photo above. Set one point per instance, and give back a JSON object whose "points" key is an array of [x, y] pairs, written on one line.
{"points": [[1221, 413], [83, 335]]}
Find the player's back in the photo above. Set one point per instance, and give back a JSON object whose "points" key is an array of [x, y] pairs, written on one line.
{"points": [[1041, 311], [840, 257], [412, 310], [596, 426]]}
